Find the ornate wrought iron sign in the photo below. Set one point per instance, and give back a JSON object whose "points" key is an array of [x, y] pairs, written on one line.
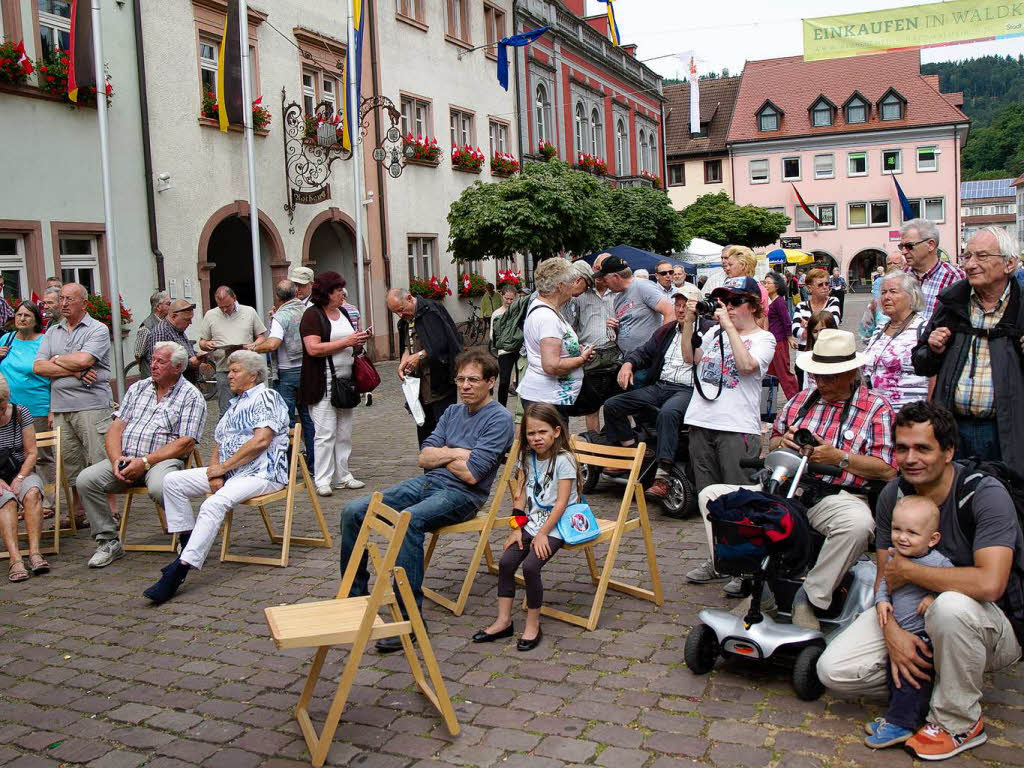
{"points": [[391, 152], [309, 153]]}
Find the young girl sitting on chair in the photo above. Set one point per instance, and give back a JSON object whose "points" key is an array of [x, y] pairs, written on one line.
{"points": [[551, 483]]}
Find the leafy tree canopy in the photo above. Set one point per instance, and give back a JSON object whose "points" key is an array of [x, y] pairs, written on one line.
{"points": [[720, 220], [550, 208], [996, 151]]}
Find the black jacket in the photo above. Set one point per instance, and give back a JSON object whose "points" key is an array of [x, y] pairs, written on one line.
{"points": [[439, 338], [651, 354], [1007, 370]]}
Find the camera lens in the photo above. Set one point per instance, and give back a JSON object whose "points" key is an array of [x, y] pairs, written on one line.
{"points": [[706, 307]]}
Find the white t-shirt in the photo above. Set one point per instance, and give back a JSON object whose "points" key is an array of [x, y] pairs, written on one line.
{"points": [[738, 408], [542, 489], [283, 359], [543, 322], [341, 328]]}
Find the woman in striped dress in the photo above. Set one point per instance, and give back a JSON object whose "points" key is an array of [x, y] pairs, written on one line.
{"points": [[818, 300]]}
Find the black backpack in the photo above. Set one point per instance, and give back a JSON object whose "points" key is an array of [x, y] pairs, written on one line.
{"points": [[973, 472]]}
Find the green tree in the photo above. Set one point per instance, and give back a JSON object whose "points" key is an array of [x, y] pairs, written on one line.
{"points": [[546, 209], [719, 219], [997, 148], [643, 218]]}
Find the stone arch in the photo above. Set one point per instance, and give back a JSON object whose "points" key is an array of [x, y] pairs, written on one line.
{"points": [[863, 263], [275, 259]]}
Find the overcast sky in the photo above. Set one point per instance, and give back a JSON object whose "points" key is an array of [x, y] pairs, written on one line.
{"points": [[728, 32]]}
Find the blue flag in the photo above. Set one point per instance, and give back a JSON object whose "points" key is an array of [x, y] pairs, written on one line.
{"points": [[517, 41], [908, 212]]}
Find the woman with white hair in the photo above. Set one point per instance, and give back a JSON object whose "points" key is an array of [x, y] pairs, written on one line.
{"points": [[889, 369], [554, 372], [251, 458]]}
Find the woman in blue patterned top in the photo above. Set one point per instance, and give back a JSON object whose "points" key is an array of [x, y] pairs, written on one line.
{"points": [[251, 459]]}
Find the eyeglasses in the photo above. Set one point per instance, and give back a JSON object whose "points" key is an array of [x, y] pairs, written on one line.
{"points": [[910, 246], [473, 380], [665, 272], [734, 301], [981, 258]]}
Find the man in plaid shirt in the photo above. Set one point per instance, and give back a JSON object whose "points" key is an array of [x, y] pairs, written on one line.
{"points": [[159, 423], [919, 242], [852, 426]]}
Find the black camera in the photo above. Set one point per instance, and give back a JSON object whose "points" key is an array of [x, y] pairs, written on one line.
{"points": [[707, 307]]}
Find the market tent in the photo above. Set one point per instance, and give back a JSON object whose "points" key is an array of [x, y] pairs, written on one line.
{"points": [[701, 252], [637, 259]]}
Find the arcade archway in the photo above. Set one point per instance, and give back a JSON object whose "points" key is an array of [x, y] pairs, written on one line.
{"points": [[863, 266]]}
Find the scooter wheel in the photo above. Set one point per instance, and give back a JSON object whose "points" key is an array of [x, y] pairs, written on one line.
{"points": [[681, 499], [702, 649], [805, 673], [590, 477]]}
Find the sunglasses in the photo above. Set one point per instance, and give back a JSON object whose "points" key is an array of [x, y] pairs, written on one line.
{"points": [[734, 301], [665, 272]]}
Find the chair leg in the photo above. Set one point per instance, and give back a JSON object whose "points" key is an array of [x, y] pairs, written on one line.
{"points": [[348, 676], [592, 565], [325, 534], [652, 559], [492, 566], [286, 534], [274, 538], [122, 532], [474, 567], [225, 540], [438, 696]]}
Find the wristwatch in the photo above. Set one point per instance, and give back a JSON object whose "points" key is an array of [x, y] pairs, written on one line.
{"points": [[145, 463], [845, 461]]}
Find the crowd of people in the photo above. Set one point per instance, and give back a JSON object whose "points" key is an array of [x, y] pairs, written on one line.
{"points": [[941, 349]]}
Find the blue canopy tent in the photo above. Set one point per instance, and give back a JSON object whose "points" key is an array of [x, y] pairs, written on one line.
{"points": [[637, 259]]}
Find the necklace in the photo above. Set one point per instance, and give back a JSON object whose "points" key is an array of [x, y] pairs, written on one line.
{"points": [[881, 353]]}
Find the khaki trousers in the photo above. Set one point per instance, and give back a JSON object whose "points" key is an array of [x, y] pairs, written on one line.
{"points": [[81, 439], [968, 638], [845, 521]]}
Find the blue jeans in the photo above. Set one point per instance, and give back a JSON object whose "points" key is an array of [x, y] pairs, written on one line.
{"points": [[288, 387], [978, 437], [432, 506]]}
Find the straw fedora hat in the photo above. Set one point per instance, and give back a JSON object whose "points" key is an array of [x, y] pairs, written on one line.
{"points": [[835, 351]]}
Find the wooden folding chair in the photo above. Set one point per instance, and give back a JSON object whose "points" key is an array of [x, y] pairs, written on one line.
{"points": [[193, 460], [355, 621], [482, 525], [285, 538], [613, 457], [51, 439]]}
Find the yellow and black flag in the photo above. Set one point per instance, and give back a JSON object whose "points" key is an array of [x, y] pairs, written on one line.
{"points": [[81, 63], [229, 71]]}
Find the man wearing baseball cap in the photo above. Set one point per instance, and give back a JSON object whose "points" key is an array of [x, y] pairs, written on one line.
{"points": [[852, 426], [172, 328], [641, 307], [302, 278]]}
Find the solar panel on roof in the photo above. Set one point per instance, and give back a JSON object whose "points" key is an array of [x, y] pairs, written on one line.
{"points": [[986, 188]]}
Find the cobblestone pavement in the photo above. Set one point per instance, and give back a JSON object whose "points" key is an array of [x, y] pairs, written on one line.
{"points": [[92, 674]]}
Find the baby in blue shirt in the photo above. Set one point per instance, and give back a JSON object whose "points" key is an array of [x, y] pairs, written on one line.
{"points": [[915, 532]]}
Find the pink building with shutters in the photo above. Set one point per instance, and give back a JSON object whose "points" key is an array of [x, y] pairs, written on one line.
{"points": [[840, 132]]}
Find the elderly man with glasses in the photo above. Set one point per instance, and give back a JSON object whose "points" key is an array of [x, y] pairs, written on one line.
{"points": [[919, 243], [972, 345]]}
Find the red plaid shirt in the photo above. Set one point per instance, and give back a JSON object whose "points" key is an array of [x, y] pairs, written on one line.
{"points": [[935, 281], [866, 431]]}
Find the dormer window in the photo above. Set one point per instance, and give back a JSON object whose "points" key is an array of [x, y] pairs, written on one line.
{"points": [[822, 113], [891, 106], [768, 118], [857, 109]]}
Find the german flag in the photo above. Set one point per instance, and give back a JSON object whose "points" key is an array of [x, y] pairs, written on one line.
{"points": [[81, 62], [229, 71]]}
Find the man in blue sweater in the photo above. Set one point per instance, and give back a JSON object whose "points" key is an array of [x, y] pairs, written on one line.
{"points": [[461, 456]]}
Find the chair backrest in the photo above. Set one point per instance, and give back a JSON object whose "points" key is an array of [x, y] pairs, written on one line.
{"points": [[49, 439], [391, 526], [613, 457]]}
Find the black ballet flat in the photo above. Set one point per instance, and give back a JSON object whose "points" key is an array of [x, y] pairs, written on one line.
{"points": [[483, 637], [529, 645]]}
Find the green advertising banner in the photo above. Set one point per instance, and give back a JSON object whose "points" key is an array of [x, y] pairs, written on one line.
{"points": [[913, 26]]}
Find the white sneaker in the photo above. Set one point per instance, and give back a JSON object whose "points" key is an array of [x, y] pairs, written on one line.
{"points": [[734, 588], [324, 490], [106, 553], [704, 573], [351, 483]]}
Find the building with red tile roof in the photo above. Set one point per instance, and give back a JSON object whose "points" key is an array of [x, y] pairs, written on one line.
{"points": [[698, 164]]}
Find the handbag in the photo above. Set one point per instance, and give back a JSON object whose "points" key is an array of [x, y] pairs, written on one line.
{"points": [[9, 465], [577, 525], [364, 374], [343, 391]]}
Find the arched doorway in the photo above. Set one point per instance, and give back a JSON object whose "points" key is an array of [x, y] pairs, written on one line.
{"points": [[329, 245], [863, 265], [225, 255], [825, 260]]}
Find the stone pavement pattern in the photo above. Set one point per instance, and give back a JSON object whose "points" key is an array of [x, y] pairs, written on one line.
{"points": [[91, 674]]}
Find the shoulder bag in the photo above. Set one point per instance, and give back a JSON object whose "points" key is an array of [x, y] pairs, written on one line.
{"points": [[364, 374], [343, 391], [577, 525], [9, 466]]}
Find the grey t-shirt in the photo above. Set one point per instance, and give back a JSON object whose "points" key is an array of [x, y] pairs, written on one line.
{"points": [[638, 318], [905, 599], [69, 393]]}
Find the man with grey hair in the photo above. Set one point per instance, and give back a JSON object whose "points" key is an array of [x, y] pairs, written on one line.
{"points": [[224, 329], [153, 432], [251, 458], [302, 279], [919, 243], [50, 307], [972, 345], [159, 304], [75, 356]]}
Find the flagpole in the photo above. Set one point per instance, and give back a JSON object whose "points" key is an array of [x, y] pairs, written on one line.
{"points": [[108, 206], [353, 138], [254, 210]]}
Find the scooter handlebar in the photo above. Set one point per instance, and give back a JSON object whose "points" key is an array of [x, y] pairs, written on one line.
{"points": [[814, 469]]}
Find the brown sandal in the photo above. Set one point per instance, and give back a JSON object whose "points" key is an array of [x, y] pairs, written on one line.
{"points": [[17, 571], [37, 563]]}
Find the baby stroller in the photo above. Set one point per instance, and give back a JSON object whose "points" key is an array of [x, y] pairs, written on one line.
{"points": [[765, 539]]}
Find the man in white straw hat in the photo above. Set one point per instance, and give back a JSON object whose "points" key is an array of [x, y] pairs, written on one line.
{"points": [[853, 427]]}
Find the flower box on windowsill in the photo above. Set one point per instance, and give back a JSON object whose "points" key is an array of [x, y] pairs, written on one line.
{"points": [[209, 122], [424, 163], [32, 92], [502, 174], [476, 170]]}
